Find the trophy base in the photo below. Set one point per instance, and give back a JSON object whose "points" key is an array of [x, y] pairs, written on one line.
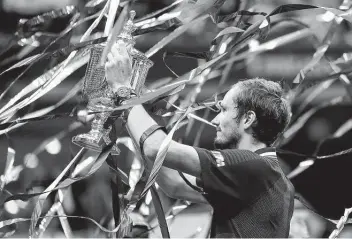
{"points": [[87, 141]]}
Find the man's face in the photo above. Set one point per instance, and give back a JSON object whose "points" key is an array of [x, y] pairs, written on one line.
{"points": [[229, 128]]}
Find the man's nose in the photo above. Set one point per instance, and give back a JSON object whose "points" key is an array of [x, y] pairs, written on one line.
{"points": [[215, 121]]}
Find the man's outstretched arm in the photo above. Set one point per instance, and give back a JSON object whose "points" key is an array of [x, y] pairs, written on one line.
{"points": [[168, 179], [180, 157]]}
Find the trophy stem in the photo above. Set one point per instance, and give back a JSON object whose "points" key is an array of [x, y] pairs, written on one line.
{"points": [[98, 121]]}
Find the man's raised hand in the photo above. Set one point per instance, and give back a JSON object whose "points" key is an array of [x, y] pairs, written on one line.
{"points": [[118, 68]]}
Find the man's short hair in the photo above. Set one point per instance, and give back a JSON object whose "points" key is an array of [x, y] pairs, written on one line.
{"points": [[265, 98]]}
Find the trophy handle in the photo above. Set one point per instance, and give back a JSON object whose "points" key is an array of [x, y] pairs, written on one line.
{"points": [[95, 84], [140, 67]]}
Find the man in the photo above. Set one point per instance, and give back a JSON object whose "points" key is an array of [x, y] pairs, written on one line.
{"points": [[243, 181]]}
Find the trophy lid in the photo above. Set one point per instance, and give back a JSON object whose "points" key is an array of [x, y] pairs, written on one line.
{"points": [[128, 29]]}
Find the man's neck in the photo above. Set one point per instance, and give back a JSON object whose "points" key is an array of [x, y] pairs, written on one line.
{"points": [[249, 143]]}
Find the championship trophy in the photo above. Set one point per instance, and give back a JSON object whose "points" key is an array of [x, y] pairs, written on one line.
{"points": [[100, 95]]}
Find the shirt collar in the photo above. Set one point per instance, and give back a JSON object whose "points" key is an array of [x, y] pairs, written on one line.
{"points": [[267, 151]]}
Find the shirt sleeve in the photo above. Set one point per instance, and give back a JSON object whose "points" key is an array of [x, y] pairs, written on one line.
{"points": [[240, 174]]}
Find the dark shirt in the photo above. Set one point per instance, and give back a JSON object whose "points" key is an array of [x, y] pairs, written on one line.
{"points": [[248, 191]]}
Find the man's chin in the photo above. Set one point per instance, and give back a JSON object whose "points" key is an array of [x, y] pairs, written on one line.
{"points": [[221, 144], [218, 144]]}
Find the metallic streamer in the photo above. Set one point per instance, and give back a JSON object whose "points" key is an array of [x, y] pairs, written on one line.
{"points": [[39, 205], [172, 36], [18, 220]]}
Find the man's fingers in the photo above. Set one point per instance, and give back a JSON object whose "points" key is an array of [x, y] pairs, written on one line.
{"points": [[119, 52], [111, 58], [108, 64], [116, 56], [114, 51]]}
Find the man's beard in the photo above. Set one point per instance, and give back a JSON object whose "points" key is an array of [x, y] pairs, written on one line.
{"points": [[228, 144]]}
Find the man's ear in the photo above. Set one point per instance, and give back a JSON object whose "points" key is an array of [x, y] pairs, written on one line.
{"points": [[250, 119]]}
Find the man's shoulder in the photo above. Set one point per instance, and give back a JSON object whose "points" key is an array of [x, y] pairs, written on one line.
{"points": [[236, 156], [240, 158]]}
